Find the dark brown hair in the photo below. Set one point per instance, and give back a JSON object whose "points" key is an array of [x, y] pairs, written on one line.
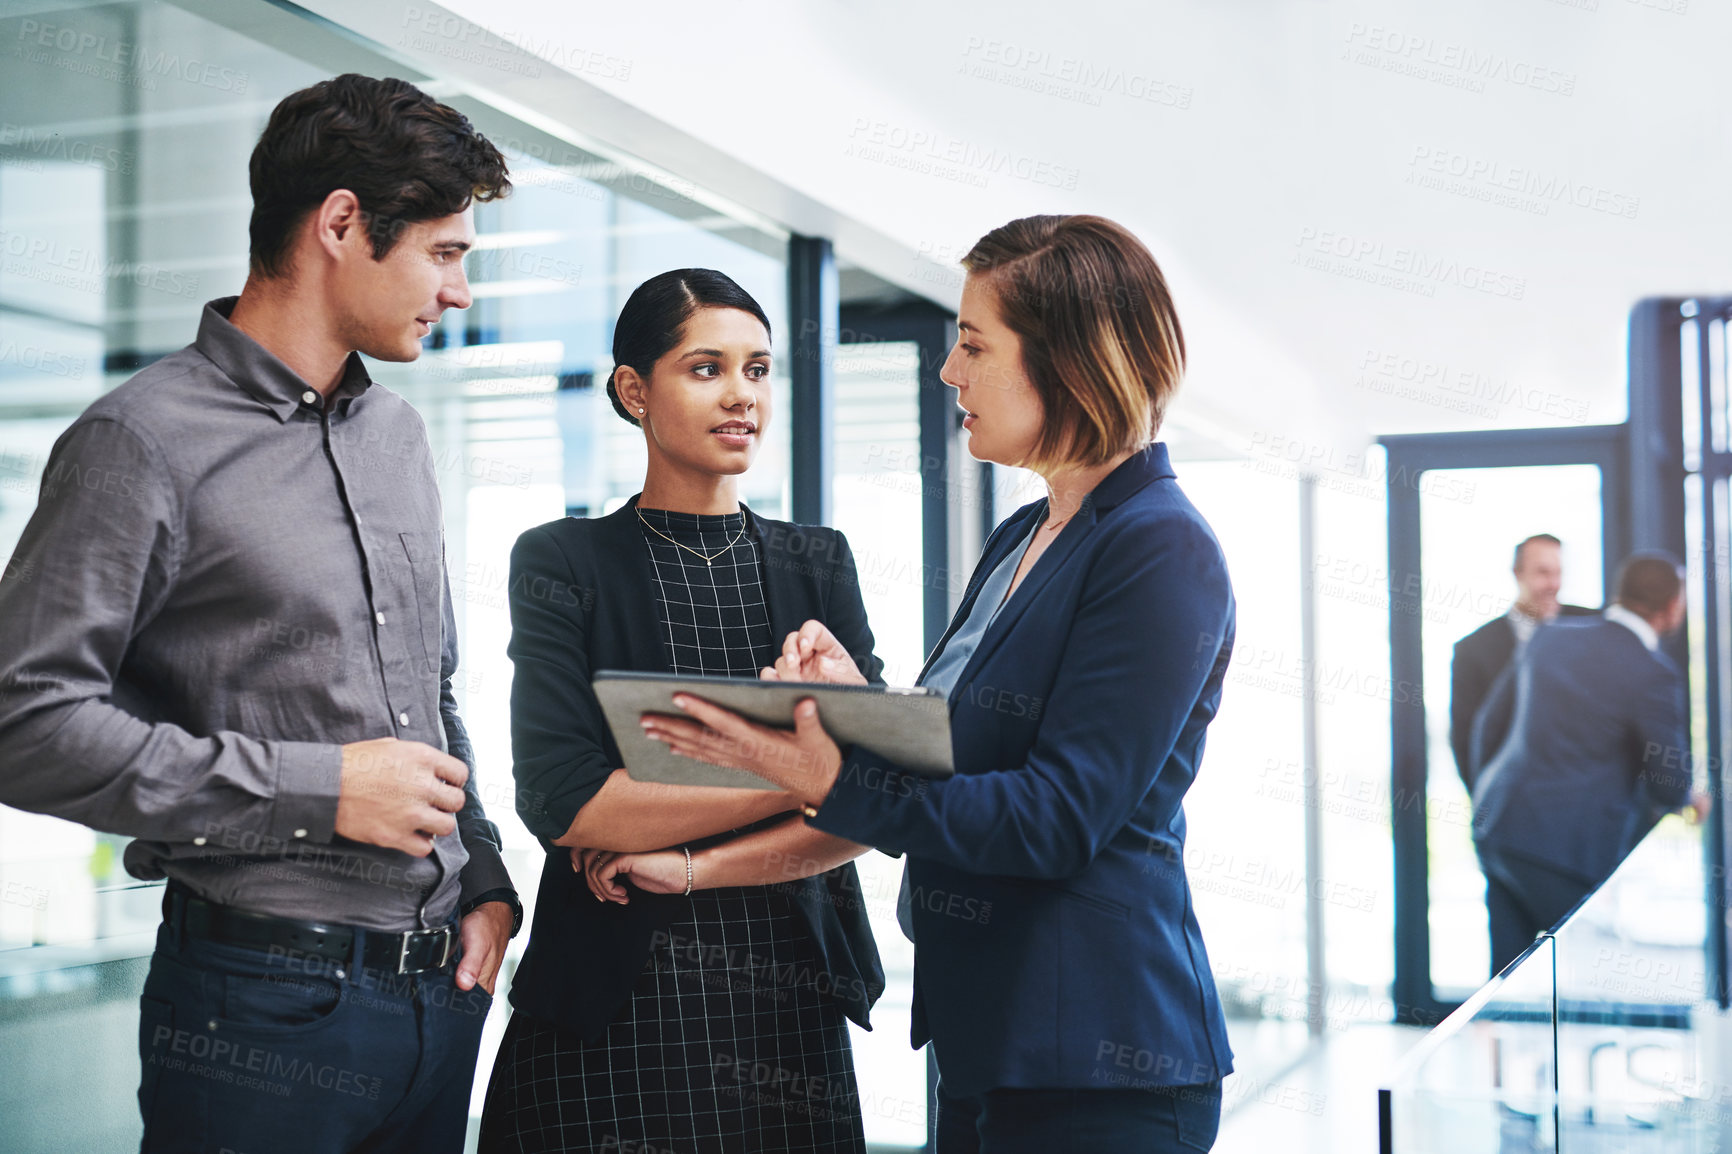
{"points": [[1101, 341], [1648, 582], [404, 155]]}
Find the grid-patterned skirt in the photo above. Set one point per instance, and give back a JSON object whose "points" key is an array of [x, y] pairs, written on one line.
{"points": [[730, 1042]]}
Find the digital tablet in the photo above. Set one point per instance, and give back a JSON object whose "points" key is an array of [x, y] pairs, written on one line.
{"points": [[910, 727]]}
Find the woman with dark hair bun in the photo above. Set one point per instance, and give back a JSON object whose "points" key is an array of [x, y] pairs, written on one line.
{"points": [[696, 951]]}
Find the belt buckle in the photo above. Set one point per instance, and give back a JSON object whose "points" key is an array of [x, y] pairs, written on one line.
{"points": [[448, 950]]}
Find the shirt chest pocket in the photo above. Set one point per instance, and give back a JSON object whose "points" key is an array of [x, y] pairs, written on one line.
{"points": [[422, 589]]}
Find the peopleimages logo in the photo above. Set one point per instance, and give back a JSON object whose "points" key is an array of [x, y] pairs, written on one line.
{"points": [[936, 153], [107, 58], [81, 268], [1512, 185], [36, 358], [1399, 266], [1066, 77], [1456, 65], [32, 145]]}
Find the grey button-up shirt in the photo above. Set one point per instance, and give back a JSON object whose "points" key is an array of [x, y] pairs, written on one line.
{"points": [[224, 582]]}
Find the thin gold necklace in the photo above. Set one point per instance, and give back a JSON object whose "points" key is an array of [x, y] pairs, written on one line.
{"points": [[1051, 524], [711, 559]]}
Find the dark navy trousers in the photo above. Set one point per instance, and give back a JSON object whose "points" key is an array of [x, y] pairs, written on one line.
{"points": [[250, 1051], [1523, 898], [1167, 1120]]}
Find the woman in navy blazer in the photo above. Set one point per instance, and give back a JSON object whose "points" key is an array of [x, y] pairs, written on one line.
{"points": [[1059, 970]]}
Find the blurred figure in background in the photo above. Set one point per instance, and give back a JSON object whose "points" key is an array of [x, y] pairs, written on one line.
{"points": [[1580, 748], [1484, 654]]}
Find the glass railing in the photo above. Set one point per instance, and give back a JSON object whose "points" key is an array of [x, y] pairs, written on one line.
{"points": [[1601, 1037], [74, 946]]}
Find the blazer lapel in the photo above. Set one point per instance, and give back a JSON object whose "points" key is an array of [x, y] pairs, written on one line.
{"points": [[1033, 581], [786, 596], [1004, 539], [1133, 475], [622, 557]]}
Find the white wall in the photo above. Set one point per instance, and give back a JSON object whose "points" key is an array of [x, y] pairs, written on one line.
{"points": [[1273, 130]]}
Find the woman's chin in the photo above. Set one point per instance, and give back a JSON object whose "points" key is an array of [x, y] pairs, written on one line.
{"points": [[731, 463], [981, 450]]}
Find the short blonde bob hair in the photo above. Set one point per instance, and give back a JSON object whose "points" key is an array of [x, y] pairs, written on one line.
{"points": [[1101, 342]]}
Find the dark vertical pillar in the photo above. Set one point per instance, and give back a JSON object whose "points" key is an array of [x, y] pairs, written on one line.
{"points": [[1412, 986], [813, 319], [1656, 427], [1657, 515], [940, 473]]}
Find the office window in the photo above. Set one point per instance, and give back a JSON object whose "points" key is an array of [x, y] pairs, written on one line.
{"points": [[123, 209]]}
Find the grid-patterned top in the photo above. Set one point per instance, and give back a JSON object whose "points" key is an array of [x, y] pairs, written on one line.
{"points": [[714, 613]]}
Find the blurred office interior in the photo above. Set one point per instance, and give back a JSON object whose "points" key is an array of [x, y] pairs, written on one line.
{"points": [[1450, 277]]}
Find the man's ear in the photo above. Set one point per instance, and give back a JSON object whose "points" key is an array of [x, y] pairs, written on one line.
{"points": [[338, 225]]}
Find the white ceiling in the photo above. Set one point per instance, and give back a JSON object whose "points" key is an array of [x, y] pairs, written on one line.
{"points": [[1245, 140]]}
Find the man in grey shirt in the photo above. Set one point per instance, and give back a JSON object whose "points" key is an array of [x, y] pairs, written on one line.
{"points": [[227, 632]]}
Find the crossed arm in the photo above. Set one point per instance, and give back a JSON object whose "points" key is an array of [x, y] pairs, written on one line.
{"points": [[570, 795], [785, 851]]}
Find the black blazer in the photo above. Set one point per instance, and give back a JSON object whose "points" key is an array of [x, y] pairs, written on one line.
{"points": [[582, 600], [1480, 658]]}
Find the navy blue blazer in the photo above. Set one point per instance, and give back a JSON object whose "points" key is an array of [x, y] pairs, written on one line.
{"points": [[1055, 942], [1581, 748], [1479, 659]]}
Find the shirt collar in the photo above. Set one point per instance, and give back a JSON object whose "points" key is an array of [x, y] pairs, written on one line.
{"points": [[1634, 624], [1522, 624], [258, 371]]}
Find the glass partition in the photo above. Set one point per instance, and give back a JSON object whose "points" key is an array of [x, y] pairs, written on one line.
{"points": [[1484, 1081], [1472, 520], [1631, 1024], [123, 209], [1599, 1038]]}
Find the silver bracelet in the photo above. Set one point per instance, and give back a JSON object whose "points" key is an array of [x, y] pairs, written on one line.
{"points": [[688, 892]]}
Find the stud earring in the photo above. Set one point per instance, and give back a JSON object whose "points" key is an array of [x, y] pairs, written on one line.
{"points": [[640, 412]]}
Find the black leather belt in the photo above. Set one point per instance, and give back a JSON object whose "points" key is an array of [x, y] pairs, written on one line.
{"points": [[410, 952]]}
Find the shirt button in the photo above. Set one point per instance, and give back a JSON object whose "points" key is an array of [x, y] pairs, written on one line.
{"points": [[379, 617], [300, 833], [198, 841], [403, 718], [310, 397]]}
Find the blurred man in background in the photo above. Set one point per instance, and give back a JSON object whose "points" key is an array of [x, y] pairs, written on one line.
{"points": [[1482, 655], [1580, 748]]}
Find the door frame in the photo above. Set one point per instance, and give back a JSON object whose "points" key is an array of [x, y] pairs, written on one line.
{"points": [[1409, 458]]}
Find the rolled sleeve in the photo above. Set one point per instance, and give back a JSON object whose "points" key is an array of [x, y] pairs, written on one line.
{"points": [[485, 870]]}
